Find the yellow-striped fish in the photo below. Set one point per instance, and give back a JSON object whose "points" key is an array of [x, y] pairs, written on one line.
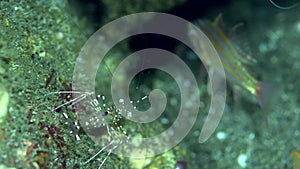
{"points": [[233, 59]]}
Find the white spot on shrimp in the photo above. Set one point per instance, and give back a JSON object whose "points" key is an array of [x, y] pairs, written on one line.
{"points": [[129, 114], [121, 100]]}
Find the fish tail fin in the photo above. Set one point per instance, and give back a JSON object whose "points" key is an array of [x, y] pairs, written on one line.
{"points": [[265, 93]]}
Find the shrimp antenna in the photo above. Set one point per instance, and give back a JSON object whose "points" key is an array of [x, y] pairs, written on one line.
{"points": [[283, 7]]}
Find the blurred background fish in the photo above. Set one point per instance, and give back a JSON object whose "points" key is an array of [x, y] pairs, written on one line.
{"points": [[234, 60]]}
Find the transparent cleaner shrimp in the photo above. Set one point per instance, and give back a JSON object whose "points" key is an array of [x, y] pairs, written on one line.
{"points": [[103, 118]]}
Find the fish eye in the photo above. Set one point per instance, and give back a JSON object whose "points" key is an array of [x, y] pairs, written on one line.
{"points": [[283, 7]]}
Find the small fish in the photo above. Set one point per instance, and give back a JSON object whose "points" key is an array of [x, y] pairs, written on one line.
{"points": [[233, 59], [296, 159]]}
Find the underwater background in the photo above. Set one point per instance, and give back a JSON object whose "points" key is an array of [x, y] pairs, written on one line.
{"points": [[39, 44]]}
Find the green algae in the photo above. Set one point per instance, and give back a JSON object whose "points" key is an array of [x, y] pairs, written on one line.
{"points": [[30, 50], [4, 100], [39, 43]]}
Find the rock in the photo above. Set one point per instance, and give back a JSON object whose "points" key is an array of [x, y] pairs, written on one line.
{"points": [[4, 99]]}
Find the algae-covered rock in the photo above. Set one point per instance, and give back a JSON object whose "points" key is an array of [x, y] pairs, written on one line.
{"points": [[39, 43], [5, 167], [4, 99], [2, 70]]}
